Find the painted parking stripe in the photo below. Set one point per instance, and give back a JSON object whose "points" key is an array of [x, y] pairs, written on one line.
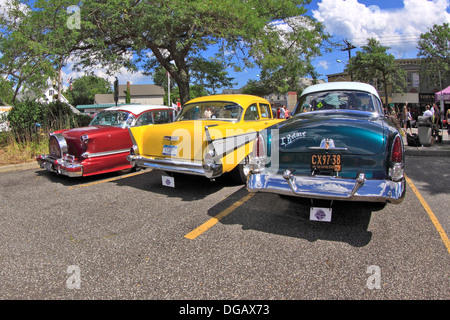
{"points": [[108, 180], [211, 222], [432, 216]]}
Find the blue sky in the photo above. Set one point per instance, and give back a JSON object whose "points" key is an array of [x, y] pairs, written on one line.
{"points": [[395, 23]]}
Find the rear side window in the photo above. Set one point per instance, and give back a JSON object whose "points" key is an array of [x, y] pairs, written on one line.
{"points": [[154, 117], [251, 113], [265, 111]]}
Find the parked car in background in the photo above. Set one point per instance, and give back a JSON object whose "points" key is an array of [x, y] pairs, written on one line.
{"points": [[338, 145], [102, 146], [211, 136]]}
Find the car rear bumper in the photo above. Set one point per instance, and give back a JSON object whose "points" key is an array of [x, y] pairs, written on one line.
{"points": [[328, 188], [180, 166], [60, 166]]}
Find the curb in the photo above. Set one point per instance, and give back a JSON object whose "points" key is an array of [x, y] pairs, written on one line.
{"points": [[20, 166], [419, 152]]}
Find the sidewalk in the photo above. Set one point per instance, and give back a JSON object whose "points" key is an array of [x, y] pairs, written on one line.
{"points": [[437, 150]]}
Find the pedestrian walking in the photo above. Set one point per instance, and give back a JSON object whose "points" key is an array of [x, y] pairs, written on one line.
{"points": [[282, 112], [287, 114], [448, 120], [408, 120]]}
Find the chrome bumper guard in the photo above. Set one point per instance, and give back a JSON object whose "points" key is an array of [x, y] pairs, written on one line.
{"points": [[60, 166], [172, 165], [327, 187]]}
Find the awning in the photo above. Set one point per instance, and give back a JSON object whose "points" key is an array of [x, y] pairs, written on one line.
{"points": [[405, 97], [444, 93]]}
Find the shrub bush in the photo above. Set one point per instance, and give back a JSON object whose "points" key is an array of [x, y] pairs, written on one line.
{"points": [[29, 119]]}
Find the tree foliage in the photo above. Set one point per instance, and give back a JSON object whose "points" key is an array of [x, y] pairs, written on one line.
{"points": [[175, 33], [85, 88], [36, 42], [373, 62], [276, 35], [434, 49]]}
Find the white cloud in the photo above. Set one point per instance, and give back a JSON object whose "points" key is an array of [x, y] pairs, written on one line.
{"points": [[397, 28], [323, 64], [123, 75]]}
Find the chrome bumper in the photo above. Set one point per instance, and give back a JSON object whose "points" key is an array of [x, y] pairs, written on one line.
{"points": [[327, 187], [60, 166], [173, 165]]}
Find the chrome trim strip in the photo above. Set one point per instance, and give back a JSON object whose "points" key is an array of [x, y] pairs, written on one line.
{"points": [[324, 148], [102, 154], [62, 143], [330, 188], [172, 165]]}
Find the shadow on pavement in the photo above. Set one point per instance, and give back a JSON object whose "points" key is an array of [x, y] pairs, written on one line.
{"points": [[289, 216]]}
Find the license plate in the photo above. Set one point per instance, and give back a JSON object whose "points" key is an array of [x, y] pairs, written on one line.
{"points": [[48, 166], [324, 161], [168, 181], [169, 151], [320, 214]]}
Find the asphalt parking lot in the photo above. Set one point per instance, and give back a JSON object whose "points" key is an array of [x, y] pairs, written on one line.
{"points": [[129, 237]]}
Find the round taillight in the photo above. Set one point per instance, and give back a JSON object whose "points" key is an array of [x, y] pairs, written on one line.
{"points": [[54, 149]]}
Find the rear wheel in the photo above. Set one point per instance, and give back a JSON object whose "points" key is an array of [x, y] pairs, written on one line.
{"points": [[125, 171]]}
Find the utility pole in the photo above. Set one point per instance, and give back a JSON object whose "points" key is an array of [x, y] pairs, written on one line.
{"points": [[349, 48]]}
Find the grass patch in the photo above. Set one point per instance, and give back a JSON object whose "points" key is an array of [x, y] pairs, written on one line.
{"points": [[14, 152]]}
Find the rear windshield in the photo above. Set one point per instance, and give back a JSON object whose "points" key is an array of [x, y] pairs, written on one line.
{"points": [[113, 118], [217, 110], [341, 100]]}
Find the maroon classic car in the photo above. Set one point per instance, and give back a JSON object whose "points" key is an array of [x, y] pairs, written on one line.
{"points": [[102, 146]]}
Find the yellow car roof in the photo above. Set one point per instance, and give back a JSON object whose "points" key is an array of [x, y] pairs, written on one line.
{"points": [[238, 98]]}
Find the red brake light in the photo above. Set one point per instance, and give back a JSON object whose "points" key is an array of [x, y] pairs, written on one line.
{"points": [[397, 150], [258, 148]]}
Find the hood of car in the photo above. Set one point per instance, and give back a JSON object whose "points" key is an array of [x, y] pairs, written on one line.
{"points": [[358, 133]]}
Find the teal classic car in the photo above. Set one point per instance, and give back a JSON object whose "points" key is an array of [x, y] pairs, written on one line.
{"points": [[338, 145]]}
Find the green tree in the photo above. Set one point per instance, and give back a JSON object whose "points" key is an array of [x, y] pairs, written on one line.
{"points": [[6, 92], [85, 88], [37, 41], [373, 62], [434, 49], [173, 33], [210, 74]]}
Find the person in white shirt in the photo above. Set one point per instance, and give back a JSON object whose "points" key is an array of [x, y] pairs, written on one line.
{"points": [[208, 113], [282, 113], [428, 112]]}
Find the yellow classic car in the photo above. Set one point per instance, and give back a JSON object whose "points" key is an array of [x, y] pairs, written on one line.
{"points": [[211, 136]]}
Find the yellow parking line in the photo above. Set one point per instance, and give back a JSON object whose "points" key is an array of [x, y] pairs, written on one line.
{"points": [[211, 222], [432, 216], [108, 180]]}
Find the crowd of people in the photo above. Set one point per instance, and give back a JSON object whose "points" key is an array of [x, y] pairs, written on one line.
{"points": [[405, 117], [283, 112]]}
